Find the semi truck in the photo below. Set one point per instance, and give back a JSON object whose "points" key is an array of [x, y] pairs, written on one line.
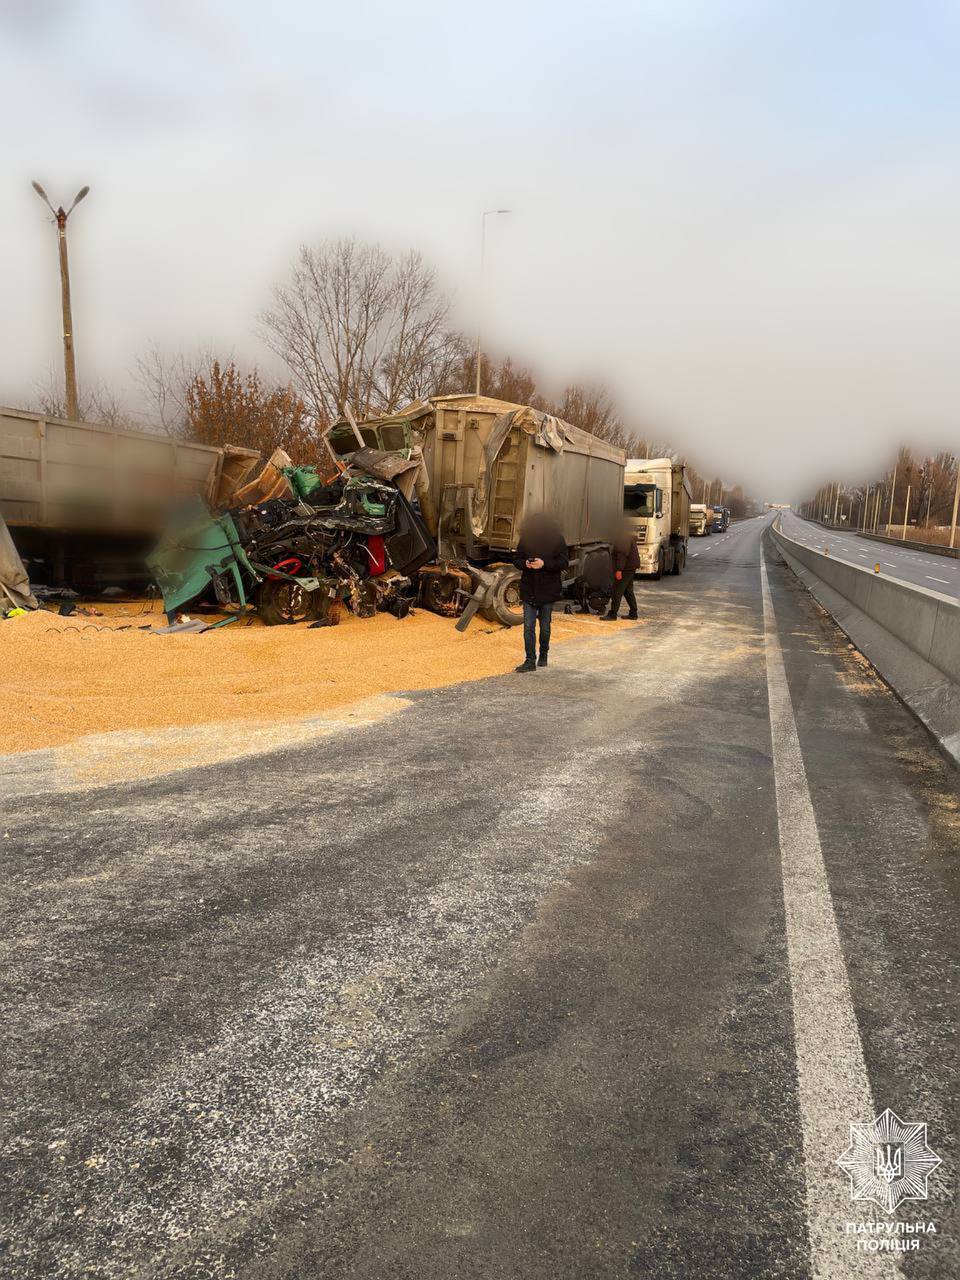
{"points": [[487, 464], [656, 501], [84, 502], [701, 520]]}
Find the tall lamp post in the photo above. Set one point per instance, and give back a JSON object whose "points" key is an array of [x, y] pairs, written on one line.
{"points": [[60, 217], [483, 254]]}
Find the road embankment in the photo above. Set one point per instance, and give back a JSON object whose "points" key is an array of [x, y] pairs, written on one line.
{"points": [[911, 635]]}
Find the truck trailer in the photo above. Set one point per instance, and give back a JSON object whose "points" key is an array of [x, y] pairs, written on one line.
{"points": [[656, 500], [487, 464], [84, 501]]}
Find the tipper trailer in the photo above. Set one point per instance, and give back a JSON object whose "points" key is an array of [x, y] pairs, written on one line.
{"points": [[487, 465], [87, 500]]}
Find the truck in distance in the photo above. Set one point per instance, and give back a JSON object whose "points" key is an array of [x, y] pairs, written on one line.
{"points": [[656, 501], [700, 520]]}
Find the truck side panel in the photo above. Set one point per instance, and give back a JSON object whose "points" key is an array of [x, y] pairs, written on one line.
{"points": [[581, 485], [78, 475]]}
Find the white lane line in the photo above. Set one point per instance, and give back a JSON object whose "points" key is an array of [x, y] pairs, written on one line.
{"points": [[931, 578], [694, 554], [889, 565], [834, 1089]]}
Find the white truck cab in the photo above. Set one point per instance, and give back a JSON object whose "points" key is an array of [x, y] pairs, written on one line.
{"points": [[656, 501]]}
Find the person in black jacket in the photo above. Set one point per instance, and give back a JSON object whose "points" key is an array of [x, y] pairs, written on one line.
{"points": [[626, 561], [541, 556]]}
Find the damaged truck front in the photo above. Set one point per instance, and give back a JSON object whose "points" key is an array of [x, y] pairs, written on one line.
{"points": [[487, 464], [298, 545]]}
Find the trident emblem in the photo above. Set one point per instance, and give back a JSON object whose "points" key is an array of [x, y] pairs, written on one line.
{"points": [[889, 1161]]}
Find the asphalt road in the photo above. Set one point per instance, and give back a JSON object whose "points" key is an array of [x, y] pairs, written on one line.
{"points": [[583, 973], [921, 568]]}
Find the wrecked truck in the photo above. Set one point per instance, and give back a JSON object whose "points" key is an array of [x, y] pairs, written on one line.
{"points": [[297, 546], [486, 465]]}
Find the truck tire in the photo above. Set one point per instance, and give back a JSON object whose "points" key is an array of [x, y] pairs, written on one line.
{"points": [[280, 602], [679, 561], [505, 606], [659, 573]]}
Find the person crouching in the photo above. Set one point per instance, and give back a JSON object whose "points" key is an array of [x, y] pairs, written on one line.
{"points": [[541, 556]]}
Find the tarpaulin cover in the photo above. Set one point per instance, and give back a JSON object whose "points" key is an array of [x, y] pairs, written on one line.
{"points": [[14, 583], [547, 431]]}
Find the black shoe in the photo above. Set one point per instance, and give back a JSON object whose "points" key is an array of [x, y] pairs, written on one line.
{"points": [[542, 660], [609, 617], [633, 617], [526, 666]]}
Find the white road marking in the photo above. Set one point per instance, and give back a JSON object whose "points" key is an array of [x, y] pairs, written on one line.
{"points": [[694, 554], [834, 1089], [931, 578], [889, 565]]}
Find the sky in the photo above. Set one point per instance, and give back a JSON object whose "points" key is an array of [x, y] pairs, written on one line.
{"points": [[743, 215]]}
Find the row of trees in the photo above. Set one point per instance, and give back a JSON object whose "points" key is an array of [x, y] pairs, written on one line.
{"points": [[915, 492], [354, 326]]}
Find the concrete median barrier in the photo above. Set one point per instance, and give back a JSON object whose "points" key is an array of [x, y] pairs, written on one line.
{"points": [[910, 634]]}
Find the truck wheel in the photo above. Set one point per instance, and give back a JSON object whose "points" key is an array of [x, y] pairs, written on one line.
{"points": [[679, 559], [659, 573], [505, 606], [280, 602], [438, 591]]}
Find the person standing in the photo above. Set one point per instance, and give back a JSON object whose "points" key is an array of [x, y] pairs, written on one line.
{"points": [[541, 556], [626, 561]]}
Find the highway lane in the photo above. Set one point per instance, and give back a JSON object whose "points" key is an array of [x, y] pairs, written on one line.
{"points": [[514, 983], [920, 568]]}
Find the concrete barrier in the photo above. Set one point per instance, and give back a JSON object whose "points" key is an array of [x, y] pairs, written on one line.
{"points": [[910, 634]]}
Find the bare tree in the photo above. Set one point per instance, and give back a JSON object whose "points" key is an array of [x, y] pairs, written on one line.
{"points": [[165, 379], [357, 327], [592, 409], [97, 402]]}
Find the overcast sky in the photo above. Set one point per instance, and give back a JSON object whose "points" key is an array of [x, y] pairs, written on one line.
{"points": [[744, 214]]}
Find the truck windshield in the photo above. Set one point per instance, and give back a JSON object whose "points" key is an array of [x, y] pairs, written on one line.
{"points": [[640, 499]]}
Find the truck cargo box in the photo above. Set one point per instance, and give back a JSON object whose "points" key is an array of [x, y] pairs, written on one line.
{"points": [[490, 463], [64, 475]]}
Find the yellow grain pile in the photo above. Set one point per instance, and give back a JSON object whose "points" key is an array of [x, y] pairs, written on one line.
{"points": [[63, 678]]}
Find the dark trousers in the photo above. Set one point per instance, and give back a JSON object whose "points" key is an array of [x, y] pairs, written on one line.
{"points": [[531, 612], [624, 590]]}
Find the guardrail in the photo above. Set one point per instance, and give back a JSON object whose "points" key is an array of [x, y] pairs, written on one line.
{"points": [[925, 621]]}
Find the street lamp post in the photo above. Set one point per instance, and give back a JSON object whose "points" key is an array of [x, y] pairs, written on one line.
{"points": [[893, 490], [60, 216], [483, 253]]}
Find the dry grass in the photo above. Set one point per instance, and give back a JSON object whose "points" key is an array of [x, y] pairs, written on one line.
{"points": [[64, 678], [938, 536]]}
